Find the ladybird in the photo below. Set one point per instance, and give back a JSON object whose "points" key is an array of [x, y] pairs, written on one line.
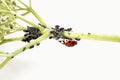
{"points": [[69, 43]]}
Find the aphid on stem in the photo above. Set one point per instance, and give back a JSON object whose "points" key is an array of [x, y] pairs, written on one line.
{"points": [[10, 11]]}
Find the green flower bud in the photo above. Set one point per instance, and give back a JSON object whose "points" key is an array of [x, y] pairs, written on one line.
{"points": [[3, 20], [14, 3]]}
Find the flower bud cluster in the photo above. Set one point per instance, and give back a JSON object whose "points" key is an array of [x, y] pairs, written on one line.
{"points": [[7, 19]]}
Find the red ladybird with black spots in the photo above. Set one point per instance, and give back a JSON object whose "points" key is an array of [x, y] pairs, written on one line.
{"points": [[68, 43]]}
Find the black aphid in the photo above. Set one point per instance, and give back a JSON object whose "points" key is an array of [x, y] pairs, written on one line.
{"points": [[31, 33], [89, 33], [78, 39], [42, 25], [32, 46], [24, 48], [69, 29], [57, 26], [57, 32], [38, 44]]}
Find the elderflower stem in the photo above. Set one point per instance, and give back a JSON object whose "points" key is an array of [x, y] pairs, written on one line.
{"points": [[3, 1], [5, 11], [30, 9], [23, 3], [30, 3], [29, 22], [111, 38], [44, 36], [38, 17], [11, 40], [10, 56], [5, 62], [4, 55], [23, 14]]}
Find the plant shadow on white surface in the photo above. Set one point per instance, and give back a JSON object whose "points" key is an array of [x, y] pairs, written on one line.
{"points": [[15, 69]]}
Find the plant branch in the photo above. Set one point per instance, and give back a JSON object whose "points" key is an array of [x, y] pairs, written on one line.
{"points": [[30, 3], [28, 46], [37, 17], [11, 40], [23, 14], [111, 38], [4, 55], [3, 1], [23, 3], [44, 36], [5, 62], [29, 22]]}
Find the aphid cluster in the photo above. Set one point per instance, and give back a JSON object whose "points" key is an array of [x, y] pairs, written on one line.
{"points": [[31, 33], [57, 33]]}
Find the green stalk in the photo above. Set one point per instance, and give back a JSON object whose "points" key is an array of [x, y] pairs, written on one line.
{"points": [[22, 3], [9, 56], [11, 40], [30, 9], [44, 36], [111, 38], [4, 11], [7, 7], [5, 62], [45, 32], [29, 22], [23, 14], [37, 16], [4, 55]]}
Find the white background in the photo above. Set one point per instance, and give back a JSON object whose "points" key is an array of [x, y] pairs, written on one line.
{"points": [[89, 60]]}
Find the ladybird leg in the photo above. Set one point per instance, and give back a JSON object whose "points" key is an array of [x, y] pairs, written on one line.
{"points": [[61, 41]]}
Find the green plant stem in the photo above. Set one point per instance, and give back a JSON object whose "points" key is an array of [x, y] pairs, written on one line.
{"points": [[4, 55], [30, 9], [111, 38], [11, 40], [3, 52], [4, 11], [44, 36], [29, 22], [45, 32], [23, 3], [7, 7], [5, 62], [23, 14], [30, 3], [9, 56], [37, 16]]}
